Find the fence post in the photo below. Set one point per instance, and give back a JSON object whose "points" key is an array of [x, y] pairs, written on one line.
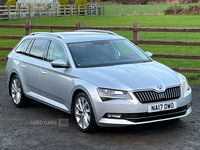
{"points": [[1, 13], [136, 34], [79, 24], [28, 30], [56, 10], [97, 9], [8, 12], [20, 11], [85, 9], [72, 10], [48, 10], [29, 10], [64, 11], [39, 15]]}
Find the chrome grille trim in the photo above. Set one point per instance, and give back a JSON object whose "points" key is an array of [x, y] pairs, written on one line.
{"points": [[153, 96]]}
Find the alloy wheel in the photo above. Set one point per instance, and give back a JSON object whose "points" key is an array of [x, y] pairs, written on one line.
{"points": [[82, 112], [16, 91]]}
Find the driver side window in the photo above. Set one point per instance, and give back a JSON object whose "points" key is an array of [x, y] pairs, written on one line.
{"points": [[56, 51]]}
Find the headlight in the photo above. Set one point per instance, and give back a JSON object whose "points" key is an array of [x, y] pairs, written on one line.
{"points": [[184, 83], [185, 86], [108, 94]]}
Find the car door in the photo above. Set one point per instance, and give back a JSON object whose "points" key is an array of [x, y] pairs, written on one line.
{"points": [[20, 60], [55, 82], [31, 65]]}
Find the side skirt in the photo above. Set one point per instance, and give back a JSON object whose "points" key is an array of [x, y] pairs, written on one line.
{"points": [[47, 101]]}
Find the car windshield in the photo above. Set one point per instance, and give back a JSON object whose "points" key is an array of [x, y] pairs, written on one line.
{"points": [[103, 53]]}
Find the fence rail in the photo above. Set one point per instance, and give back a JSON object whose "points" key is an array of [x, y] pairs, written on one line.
{"points": [[136, 38], [48, 10]]}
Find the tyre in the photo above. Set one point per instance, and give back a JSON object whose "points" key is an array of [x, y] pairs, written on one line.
{"points": [[83, 113], [17, 95]]}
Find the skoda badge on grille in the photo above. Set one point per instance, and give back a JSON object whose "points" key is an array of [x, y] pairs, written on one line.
{"points": [[159, 86]]}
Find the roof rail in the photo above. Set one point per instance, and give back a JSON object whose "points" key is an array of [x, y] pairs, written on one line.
{"points": [[92, 30], [47, 33]]}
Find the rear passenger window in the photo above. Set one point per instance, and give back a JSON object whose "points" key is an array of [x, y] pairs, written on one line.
{"points": [[23, 46], [39, 48]]}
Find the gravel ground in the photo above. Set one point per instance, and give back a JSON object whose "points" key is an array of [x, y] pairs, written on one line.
{"points": [[42, 127]]}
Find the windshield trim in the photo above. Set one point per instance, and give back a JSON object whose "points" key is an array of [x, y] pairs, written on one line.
{"points": [[112, 64]]}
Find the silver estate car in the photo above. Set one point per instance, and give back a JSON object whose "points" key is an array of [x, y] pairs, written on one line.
{"points": [[100, 78]]}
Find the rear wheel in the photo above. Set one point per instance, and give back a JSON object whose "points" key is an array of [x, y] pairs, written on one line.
{"points": [[17, 94], [83, 113]]}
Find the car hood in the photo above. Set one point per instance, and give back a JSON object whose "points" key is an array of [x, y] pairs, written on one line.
{"points": [[139, 76]]}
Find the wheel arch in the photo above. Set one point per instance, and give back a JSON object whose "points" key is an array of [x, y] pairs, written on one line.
{"points": [[78, 90], [10, 78], [14, 72], [75, 93]]}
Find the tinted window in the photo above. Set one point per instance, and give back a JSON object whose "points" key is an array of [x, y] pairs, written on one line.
{"points": [[56, 51], [29, 48], [23, 46], [102, 53], [39, 48], [127, 51]]}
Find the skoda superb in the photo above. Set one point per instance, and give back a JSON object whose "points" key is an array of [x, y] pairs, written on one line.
{"points": [[99, 77]]}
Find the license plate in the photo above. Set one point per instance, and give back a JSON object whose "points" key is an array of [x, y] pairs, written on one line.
{"points": [[162, 107]]}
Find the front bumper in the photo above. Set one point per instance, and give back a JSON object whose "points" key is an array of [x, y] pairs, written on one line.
{"points": [[133, 112], [135, 121]]}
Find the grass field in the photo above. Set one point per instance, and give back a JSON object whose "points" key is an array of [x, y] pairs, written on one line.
{"points": [[188, 21], [139, 9]]}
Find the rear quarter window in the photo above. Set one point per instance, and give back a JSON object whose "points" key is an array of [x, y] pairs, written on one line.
{"points": [[22, 47]]}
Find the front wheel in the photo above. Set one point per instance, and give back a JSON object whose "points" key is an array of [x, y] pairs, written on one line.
{"points": [[83, 113], [17, 94]]}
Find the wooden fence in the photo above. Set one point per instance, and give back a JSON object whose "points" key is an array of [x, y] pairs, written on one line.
{"points": [[136, 30], [47, 10]]}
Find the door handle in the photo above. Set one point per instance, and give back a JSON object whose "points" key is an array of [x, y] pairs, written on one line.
{"points": [[23, 66], [44, 72]]}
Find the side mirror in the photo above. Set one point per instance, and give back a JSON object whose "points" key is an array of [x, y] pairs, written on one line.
{"points": [[59, 63], [149, 54]]}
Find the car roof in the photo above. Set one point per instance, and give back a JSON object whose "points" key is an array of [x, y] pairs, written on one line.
{"points": [[73, 37]]}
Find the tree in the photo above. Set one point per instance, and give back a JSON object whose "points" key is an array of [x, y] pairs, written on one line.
{"points": [[80, 2], [11, 2], [62, 2]]}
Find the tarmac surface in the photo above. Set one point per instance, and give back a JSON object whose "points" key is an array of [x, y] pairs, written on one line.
{"points": [[42, 127]]}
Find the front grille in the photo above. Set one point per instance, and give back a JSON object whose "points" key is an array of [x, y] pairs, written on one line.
{"points": [[152, 96]]}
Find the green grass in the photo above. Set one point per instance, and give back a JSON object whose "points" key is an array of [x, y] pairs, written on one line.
{"points": [[2, 66], [139, 9], [182, 21]]}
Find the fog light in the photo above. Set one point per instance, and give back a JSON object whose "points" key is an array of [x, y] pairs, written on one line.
{"points": [[114, 115], [188, 105]]}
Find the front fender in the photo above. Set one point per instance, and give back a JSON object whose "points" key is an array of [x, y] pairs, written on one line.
{"points": [[91, 91]]}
